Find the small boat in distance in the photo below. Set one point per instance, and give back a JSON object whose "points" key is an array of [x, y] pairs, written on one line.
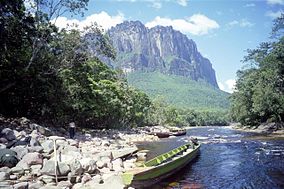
{"points": [[161, 166], [172, 131]]}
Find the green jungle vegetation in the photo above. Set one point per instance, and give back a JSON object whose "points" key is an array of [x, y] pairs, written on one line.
{"points": [[259, 95], [51, 76], [180, 91]]}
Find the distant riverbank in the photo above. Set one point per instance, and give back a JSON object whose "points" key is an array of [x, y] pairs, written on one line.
{"points": [[266, 129]]}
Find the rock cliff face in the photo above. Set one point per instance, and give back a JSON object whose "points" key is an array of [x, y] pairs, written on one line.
{"points": [[160, 49]]}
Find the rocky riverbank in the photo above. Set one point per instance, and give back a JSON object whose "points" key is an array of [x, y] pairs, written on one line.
{"points": [[268, 129], [40, 157]]}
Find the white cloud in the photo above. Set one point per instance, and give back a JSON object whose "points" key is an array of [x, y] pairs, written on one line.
{"points": [[182, 2], [228, 86], [250, 5], [156, 5], [197, 24], [245, 23], [275, 2], [274, 15], [103, 19], [221, 86], [241, 23]]}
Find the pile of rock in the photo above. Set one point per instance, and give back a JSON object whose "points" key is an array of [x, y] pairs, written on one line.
{"points": [[88, 161]]}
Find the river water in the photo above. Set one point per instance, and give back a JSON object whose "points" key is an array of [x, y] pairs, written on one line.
{"points": [[228, 159]]}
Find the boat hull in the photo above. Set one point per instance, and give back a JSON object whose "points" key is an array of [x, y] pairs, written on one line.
{"points": [[157, 173]]}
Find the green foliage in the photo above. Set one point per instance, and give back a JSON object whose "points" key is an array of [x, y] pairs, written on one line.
{"points": [[259, 91], [51, 75], [161, 113], [180, 91]]}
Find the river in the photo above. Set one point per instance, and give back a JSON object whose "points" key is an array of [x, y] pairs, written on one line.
{"points": [[228, 159]]}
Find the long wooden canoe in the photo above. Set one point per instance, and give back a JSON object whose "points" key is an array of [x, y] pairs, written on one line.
{"points": [[161, 166]]}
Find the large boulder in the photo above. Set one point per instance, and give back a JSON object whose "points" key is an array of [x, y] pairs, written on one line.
{"points": [[42, 130], [48, 146], [49, 168], [33, 158], [21, 185], [20, 150], [88, 164], [8, 158], [4, 176], [8, 134], [117, 165], [76, 168]]}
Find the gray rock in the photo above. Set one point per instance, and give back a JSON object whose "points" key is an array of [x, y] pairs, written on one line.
{"points": [[2, 146], [100, 164], [73, 142], [88, 164], [34, 142], [141, 156], [64, 184], [78, 186], [117, 165], [8, 134], [110, 181], [105, 143], [38, 149], [50, 186], [24, 121], [5, 169], [67, 149], [13, 177], [47, 178], [32, 158], [18, 170], [154, 46], [6, 185], [95, 180], [48, 146], [86, 177], [42, 130], [35, 169], [20, 150], [21, 185], [49, 168], [76, 168], [35, 185], [4, 176], [123, 152], [3, 140], [25, 178]]}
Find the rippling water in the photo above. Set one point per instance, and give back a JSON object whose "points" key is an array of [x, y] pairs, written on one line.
{"points": [[228, 159]]}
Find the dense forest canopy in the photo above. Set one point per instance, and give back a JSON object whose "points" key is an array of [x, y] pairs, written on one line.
{"points": [[259, 95], [51, 75]]}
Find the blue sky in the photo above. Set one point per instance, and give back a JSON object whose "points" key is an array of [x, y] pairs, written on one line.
{"points": [[222, 29]]}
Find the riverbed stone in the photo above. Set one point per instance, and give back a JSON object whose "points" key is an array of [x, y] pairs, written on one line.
{"points": [[35, 169], [76, 168], [8, 134], [38, 149], [48, 146], [20, 150], [21, 185], [35, 185], [64, 184], [4, 176], [47, 179], [88, 164], [32, 158], [117, 165], [49, 168]]}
